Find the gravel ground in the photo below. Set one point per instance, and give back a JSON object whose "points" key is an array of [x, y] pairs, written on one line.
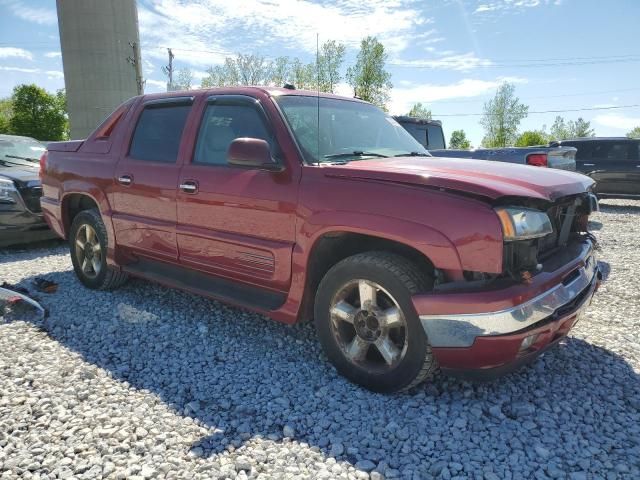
{"points": [[150, 382]]}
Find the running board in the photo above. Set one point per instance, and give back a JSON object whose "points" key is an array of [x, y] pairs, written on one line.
{"points": [[193, 281]]}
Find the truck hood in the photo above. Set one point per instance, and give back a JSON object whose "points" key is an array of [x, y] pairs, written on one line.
{"points": [[20, 173], [478, 177]]}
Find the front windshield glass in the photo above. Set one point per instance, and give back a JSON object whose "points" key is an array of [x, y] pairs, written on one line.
{"points": [[349, 130], [18, 151]]}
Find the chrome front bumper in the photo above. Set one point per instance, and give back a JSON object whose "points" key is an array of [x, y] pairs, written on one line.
{"points": [[461, 330]]}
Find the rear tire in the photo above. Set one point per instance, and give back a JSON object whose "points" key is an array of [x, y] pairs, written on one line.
{"points": [[88, 242], [367, 324]]}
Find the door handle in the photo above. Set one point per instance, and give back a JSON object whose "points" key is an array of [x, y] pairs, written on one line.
{"points": [[125, 179], [589, 164], [189, 186]]}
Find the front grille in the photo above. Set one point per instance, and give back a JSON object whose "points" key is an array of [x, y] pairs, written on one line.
{"points": [[31, 197], [558, 213]]}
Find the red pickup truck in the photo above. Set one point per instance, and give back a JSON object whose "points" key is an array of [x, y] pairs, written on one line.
{"points": [[304, 206]]}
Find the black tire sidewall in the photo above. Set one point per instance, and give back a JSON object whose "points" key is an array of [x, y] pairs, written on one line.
{"points": [[417, 349], [93, 219]]}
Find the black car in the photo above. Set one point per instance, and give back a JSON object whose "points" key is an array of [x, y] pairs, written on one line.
{"points": [[21, 219], [427, 132], [614, 163]]}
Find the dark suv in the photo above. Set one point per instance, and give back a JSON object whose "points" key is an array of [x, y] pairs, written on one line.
{"points": [[614, 163]]}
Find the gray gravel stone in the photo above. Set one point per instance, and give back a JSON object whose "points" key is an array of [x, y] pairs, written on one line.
{"points": [[148, 382]]}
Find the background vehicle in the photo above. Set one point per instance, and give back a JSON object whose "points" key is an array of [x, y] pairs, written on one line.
{"points": [[21, 217], [429, 134], [614, 163], [300, 206]]}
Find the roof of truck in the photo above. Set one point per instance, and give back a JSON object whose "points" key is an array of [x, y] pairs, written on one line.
{"points": [[273, 91], [416, 120]]}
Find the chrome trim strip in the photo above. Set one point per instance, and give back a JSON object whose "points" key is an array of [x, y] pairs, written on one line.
{"points": [[462, 330]]}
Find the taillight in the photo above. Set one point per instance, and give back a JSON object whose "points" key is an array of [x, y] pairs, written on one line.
{"points": [[43, 163], [537, 160]]}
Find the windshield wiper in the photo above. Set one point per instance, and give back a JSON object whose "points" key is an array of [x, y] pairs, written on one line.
{"points": [[356, 153], [22, 158], [413, 154]]}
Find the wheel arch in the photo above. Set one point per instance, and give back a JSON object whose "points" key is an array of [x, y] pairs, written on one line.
{"points": [[333, 245]]}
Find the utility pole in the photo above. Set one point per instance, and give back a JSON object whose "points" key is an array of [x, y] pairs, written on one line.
{"points": [[137, 65], [168, 70]]}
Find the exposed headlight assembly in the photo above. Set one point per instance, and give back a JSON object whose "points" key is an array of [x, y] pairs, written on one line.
{"points": [[8, 192], [520, 223]]}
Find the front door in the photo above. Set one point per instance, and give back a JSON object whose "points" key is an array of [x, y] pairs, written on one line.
{"points": [[233, 222], [146, 178]]}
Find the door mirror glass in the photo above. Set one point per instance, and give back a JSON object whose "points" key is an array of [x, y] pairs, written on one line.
{"points": [[251, 153]]}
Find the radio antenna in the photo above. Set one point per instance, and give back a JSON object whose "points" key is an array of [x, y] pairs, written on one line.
{"points": [[318, 89]]}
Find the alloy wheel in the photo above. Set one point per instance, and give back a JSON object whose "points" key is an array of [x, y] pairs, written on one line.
{"points": [[88, 251], [369, 326]]}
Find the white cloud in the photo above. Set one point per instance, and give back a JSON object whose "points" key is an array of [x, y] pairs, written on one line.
{"points": [[617, 120], [39, 15], [402, 98], [155, 85], [463, 62], [53, 54], [35, 71], [203, 32], [13, 52], [505, 5]]}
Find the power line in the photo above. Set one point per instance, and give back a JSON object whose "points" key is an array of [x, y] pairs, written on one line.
{"points": [[458, 63], [545, 96], [541, 111]]}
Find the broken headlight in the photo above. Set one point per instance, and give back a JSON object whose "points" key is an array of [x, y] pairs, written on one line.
{"points": [[8, 192], [520, 223]]}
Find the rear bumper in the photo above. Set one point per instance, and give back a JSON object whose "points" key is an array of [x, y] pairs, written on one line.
{"points": [[488, 342]]}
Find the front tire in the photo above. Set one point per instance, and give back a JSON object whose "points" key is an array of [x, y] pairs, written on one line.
{"points": [[88, 243], [367, 324]]}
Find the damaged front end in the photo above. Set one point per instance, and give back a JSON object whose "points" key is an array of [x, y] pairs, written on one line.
{"points": [[568, 219]]}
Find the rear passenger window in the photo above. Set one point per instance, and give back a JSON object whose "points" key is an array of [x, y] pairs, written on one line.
{"points": [[585, 149], [158, 132], [221, 124]]}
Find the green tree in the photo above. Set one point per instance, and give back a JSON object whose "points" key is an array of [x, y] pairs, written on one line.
{"points": [[280, 71], [420, 111], [38, 114], [635, 133], [184, 79], [252, 69], [502, 117], [562, 129], [303, 75], [559, 129], [580, 128], [5, 114], [459, 140], [368, 77], [330, 59], [531, 138]]}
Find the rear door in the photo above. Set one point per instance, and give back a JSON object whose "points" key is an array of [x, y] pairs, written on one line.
{"points": [[146, 179], [236, 223], [614, 168]]}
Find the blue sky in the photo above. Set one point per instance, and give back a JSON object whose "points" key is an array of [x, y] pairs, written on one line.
{"points": [[449, 54]]}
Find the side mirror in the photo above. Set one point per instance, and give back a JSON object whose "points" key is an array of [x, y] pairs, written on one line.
{"points": [[251, 153]]}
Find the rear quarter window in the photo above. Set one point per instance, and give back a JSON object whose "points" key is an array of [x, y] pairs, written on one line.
{"points": [[158, 133]]}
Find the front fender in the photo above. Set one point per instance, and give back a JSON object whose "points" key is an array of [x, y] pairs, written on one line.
{"points": [[428, 241]]}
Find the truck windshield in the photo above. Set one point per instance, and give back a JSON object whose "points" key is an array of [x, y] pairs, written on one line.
{"points": [[349, 130], [20, 151]]}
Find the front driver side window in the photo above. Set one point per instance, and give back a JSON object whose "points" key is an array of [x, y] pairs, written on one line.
{"points": [[223, 123]]}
